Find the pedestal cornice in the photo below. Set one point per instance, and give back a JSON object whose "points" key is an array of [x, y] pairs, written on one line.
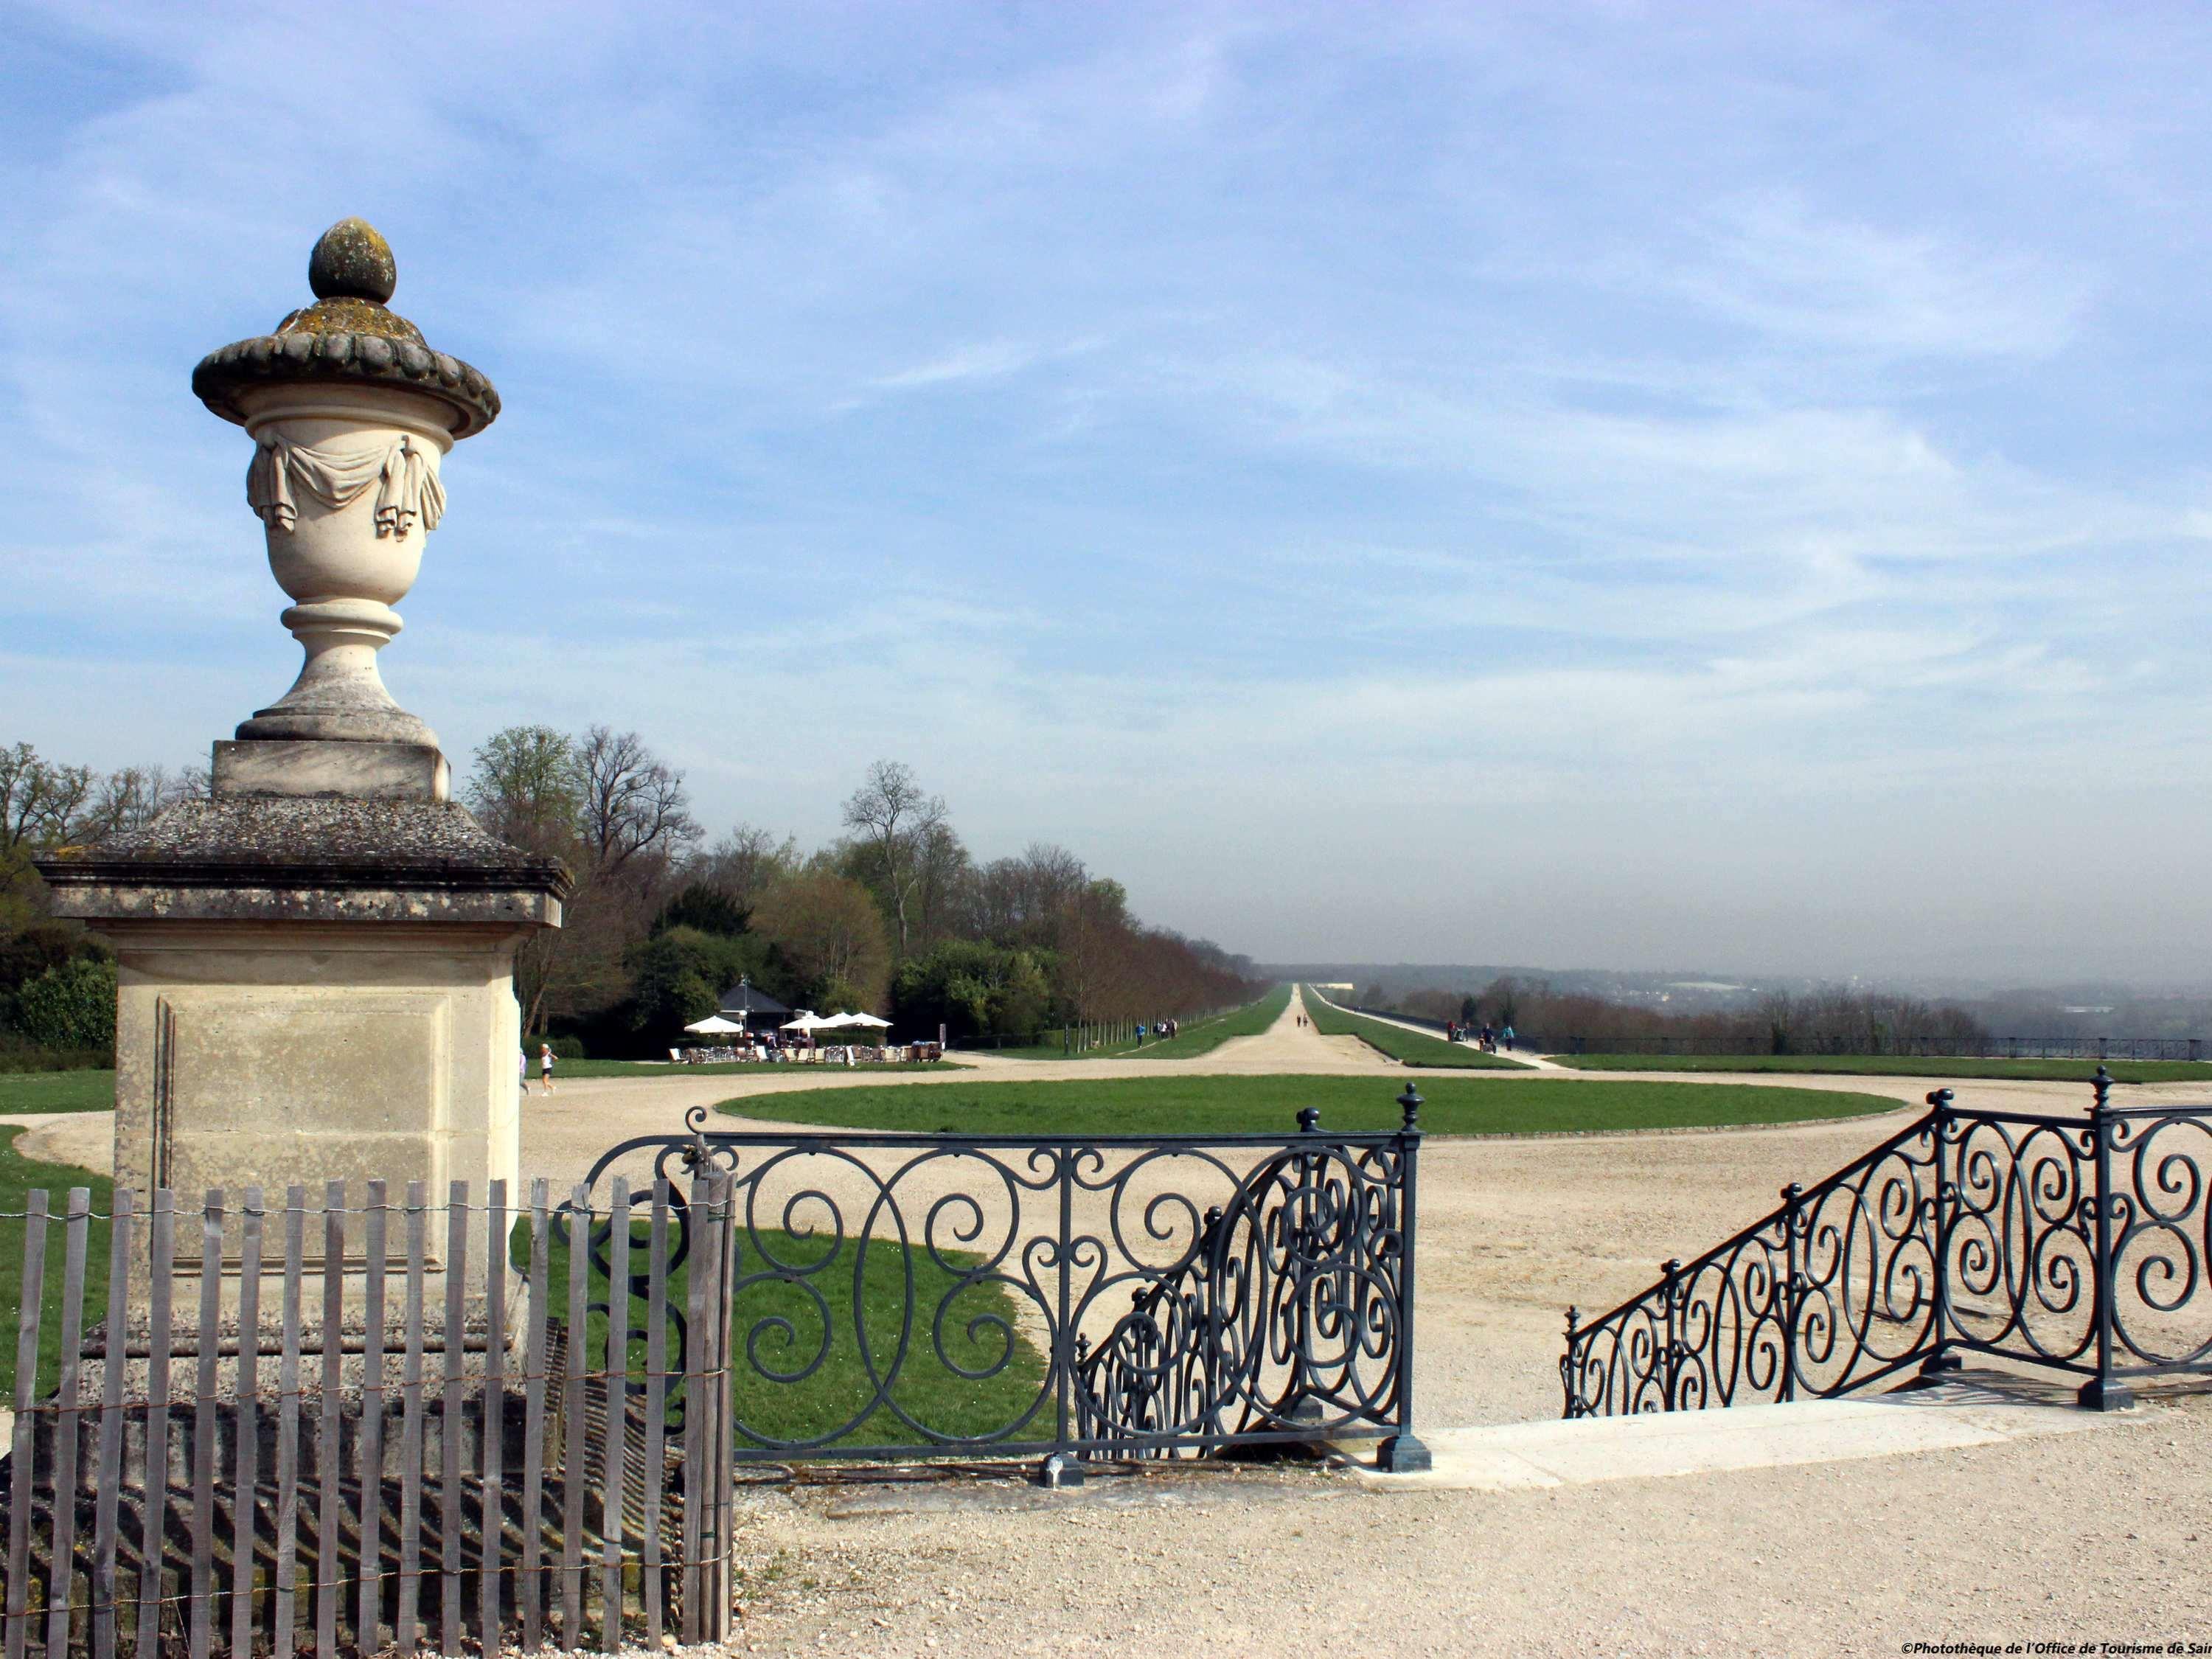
{"points": [[264, 857]]}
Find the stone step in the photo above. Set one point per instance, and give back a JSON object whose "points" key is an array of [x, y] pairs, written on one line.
{"points": [[1977, 1410]]}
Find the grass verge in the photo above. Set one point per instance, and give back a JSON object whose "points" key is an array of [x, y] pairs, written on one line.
{"points": [[2059, 1070], [1414, 1047], [580, 1068], [18, 1176], [1198, 1037], [1176, 1104], [774, 1310], [1204, 1036], [56, 1091]]}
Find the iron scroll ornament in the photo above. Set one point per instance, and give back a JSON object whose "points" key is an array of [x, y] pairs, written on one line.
{"points": [[1263, 1286], [2079, 1244]]}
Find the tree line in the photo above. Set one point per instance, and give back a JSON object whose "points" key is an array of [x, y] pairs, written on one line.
{"points": [[56, 981], [896, 916], [1835, 1020]]}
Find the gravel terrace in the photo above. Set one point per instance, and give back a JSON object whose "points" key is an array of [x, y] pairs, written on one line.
{"points": [[2102, 1537]]}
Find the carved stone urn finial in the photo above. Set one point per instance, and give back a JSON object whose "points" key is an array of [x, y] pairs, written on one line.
{"points": [[351, 414], [352, 260]]}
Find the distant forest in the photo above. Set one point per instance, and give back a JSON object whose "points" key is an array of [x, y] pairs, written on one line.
{"points": [[1833, 1022], [1633, 1011], [895, 917]]}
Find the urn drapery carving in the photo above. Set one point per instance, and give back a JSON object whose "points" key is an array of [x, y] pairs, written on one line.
{"points": [[351, 413]]}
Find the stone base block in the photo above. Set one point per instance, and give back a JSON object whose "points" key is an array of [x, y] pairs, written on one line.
{"points": [[359, 771]]}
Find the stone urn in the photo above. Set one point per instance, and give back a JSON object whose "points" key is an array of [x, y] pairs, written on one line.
{"points": [[315, 962], [351, 415]]}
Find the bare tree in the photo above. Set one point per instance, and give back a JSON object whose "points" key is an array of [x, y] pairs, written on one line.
{"points": [[616, 815], [942, 875], [1019, 900], [743, 864], [43, 804], [898, 819], [134, 796], [632, 804]]}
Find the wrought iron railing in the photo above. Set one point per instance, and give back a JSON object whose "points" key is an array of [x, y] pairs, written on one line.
{"points": [[896, 1296], [2076, 1243], [1986, 1048], [1266, 1325]]}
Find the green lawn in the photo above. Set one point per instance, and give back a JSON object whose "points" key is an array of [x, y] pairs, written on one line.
{"points": [[773, 1272], [563, 1069], [1414, 1047], [2064, 1071], [1204, 1036], [18, 1176], [56, 1091], [1176, 1104], [1200, 1037]]}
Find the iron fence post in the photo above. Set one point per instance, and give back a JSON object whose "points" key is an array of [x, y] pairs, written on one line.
{"points": [[1403, 1452], [1298, 1408], [1568, 1367], [1671, 1357], [2104, 1392], [1061, 1468], [1939, 1357], [1791, 1196]]}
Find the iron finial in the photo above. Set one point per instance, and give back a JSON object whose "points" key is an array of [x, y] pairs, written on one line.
{"points": [[1410, 1103], [2103, 1083], [1309, 1119]]}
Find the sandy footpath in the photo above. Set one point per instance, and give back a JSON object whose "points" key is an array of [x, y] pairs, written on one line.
{"points": [[1513, 1231]]}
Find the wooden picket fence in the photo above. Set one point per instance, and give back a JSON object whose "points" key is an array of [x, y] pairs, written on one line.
{"points": [[531, 1464]]}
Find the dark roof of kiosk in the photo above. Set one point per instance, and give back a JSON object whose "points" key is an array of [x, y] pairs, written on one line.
{"points": [[743, 997]]}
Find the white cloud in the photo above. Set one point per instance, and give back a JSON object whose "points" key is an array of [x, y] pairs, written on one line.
{"points": [[1768, 263]]}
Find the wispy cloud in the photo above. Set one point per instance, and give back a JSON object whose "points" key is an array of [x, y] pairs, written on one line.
{"points": [[1293, 455]]}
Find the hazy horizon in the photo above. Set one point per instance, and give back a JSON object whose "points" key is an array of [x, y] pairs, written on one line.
{"points": [[1465, 483]]}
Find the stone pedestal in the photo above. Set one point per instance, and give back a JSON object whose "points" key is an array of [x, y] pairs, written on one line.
{"points": [[314, 988]]}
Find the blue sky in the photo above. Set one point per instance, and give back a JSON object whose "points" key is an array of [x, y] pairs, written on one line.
{"points": [[1606, 484]]}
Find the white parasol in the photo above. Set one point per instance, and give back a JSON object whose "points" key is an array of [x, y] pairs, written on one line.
{"points": [[713, 1025]]}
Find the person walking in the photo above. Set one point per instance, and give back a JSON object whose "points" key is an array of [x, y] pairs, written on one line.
{"points": [[545, 1068], [1508, 1035], [522, 1068]]}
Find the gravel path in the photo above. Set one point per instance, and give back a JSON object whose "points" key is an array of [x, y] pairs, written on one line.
{"points": [[2099, 1536]]}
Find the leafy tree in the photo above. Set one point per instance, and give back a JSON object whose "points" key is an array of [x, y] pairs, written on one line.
{"points": [[831, 937], [678, 975], [618, 816], [709, 909], [527, 789], [973, 988], [70, 1006]]}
